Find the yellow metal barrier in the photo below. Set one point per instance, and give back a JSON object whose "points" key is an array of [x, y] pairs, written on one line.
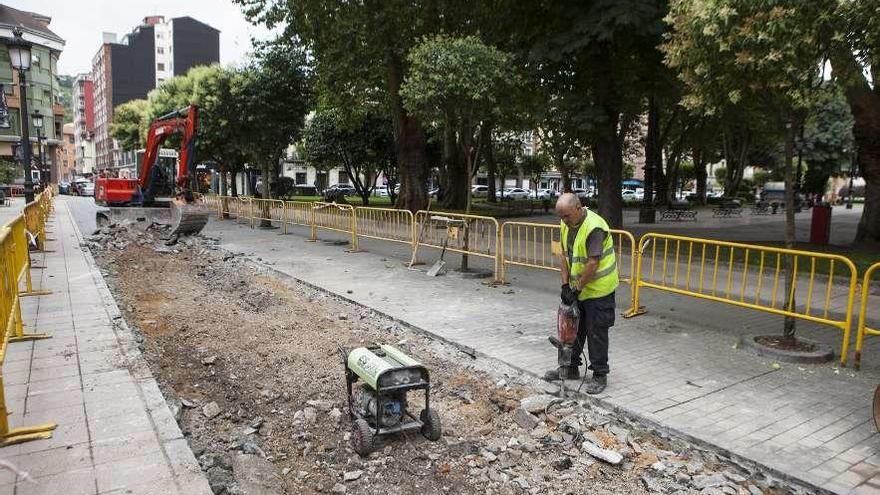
{"points": [[387, 224], [464, 234], [10, 309], [271, 210], [335, 217], [863, 328], [537, 245], [22, 256], [35, 214], [297, 213], [750, 276]]}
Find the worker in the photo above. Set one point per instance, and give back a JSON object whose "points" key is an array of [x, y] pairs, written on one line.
{"points": [[589, 278]]}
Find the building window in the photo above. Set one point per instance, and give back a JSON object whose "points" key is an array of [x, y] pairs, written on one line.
{"points": [[160, 50], [300, 177], [160, 67], [343, 178]]}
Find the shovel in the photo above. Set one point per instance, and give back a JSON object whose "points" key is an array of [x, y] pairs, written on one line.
{"points": [[439, 264]]}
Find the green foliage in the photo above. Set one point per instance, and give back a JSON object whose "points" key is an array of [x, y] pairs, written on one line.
{"points": [[720, 174], [359, 141], [828, 141], [533, 166], [9, 172], [131, 121], [729, 51], [455, 79]]}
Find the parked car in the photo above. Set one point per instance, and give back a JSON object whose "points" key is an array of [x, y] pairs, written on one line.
{"points": [[514, 193], [64, 188], [581, 193], [381, 191], [305, 190], [346, 189], [87, 189], [479, 191], [545, 194]]}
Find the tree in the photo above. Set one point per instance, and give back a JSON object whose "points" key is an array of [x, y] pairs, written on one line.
{"points": [[9, 172], [130, 123], [586, 55], [766, 53], [277, 80], [854, 61], [359, 141], [827, 141], [456, 82], [534, 167]]}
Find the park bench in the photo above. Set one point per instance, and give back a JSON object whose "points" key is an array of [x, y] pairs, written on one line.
{"points": [[761, 208], [678, 211], [728, 209]]}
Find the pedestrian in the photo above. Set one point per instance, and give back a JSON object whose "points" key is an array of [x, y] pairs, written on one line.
{"points": [[589, 279]]}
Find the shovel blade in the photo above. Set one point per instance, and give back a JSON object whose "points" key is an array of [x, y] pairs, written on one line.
{"points": [[436, 268]]}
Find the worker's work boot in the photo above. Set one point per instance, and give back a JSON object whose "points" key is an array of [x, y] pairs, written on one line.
{"points": [[562, 373], [596, 385]]}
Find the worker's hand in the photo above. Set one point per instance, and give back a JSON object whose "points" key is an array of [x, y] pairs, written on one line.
{"points": [[569, 296]]}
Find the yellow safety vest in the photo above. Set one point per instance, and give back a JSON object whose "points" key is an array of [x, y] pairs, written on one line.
{"points": [[605, 280]]}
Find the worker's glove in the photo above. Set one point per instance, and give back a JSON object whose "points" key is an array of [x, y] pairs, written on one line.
{"points": [[569, 296]]}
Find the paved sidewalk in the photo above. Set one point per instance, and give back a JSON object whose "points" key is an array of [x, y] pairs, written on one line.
{"points": [[678, 367], [115, 433]]}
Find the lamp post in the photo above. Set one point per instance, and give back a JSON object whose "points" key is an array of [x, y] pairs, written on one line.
{"points": [[37, 121], [20, 57]]}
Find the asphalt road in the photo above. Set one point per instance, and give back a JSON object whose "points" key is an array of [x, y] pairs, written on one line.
{"points": [[83, 209]]}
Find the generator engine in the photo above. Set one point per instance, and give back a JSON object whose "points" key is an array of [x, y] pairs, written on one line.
{"points": [[393, 406]]}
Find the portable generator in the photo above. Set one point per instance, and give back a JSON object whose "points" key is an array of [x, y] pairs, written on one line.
{"points": [[378, 406]]}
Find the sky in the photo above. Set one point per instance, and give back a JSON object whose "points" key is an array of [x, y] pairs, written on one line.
{"points": [[81, 22]]}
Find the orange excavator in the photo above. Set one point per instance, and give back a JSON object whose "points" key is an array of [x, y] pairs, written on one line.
{"points": [[143, 199]]}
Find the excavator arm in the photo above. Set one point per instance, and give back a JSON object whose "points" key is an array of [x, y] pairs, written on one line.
{"points": [[183, 121]]}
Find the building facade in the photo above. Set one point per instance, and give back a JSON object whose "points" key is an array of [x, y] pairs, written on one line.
{"points": [[84, 124], [130, 68], [65, 156], [43, 93]]}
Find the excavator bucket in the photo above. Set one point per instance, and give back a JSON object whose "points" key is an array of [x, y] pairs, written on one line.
{"points": [[183, 218]]}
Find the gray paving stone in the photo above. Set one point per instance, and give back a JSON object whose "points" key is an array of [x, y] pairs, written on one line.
{"points": [[122, 474], [116, 426], [77, 482], [123, 447], [55, 461]]}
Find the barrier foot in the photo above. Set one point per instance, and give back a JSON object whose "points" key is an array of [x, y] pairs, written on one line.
{"points": [[28, 433], [49, 239], [634, 312], [43, 292], [29, 336], [42, 250], [37, 267]]}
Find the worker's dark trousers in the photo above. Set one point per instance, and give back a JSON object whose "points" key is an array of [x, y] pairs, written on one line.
{"points": [[597, 316]]}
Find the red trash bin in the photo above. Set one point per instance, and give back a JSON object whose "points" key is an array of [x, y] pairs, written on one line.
{"points": [[820, 226]]}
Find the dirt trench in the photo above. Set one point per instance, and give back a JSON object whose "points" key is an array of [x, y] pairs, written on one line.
{"points": [[215, 330]]}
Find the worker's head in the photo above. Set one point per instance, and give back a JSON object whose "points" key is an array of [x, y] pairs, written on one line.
{"points": [[568, 207]]}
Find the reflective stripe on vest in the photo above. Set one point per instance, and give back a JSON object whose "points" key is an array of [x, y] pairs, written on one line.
{"points": [[605, 280]]}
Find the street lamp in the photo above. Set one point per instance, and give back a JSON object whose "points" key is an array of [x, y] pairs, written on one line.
{"points": [[37, 121], [20, 57]]}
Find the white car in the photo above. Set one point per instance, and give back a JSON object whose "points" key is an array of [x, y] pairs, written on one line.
{"points": [[381, 191], [630, 195], [546, 194], [514, 193], [479, 191], [581, 193]]}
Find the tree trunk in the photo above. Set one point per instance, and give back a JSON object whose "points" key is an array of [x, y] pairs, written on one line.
{"points": [[702, 175], [410, 141], [653, 161], [234, 177], [606, 146], [865, 107], [456, 187], [223, 191], [564, 172], [266, 194], [491, 169], [789, 324]]}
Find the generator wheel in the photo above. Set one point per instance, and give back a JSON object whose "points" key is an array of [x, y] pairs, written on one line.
{"points": [[430, 424], [877, 408], [361, 437]]}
